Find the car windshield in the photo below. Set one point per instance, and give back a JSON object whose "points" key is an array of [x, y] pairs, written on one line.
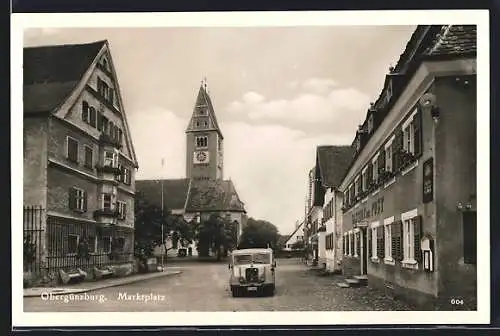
{"points": [[261, 258], [242, 259]]}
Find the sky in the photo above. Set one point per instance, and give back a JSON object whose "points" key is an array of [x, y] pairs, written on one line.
{"points": [[278, 93]]}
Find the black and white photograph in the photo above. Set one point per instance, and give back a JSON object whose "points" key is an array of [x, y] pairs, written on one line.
{"points": [[251, 168]]}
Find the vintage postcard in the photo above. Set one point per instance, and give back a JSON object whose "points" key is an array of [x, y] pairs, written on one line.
{"points": [[250, 168]]}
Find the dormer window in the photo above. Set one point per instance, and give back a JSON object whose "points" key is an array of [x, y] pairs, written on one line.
{"points": [[358, 143], [370, 123], [388, 93]]}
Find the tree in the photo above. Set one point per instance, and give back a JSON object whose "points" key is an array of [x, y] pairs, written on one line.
{"points": [[259, 233], [298, 245], [217, 234], [149, 219]]}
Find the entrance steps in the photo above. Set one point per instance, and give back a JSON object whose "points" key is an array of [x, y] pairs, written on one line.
{"points": [[354, 282]]}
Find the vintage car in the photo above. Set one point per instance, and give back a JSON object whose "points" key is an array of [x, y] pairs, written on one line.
{"points": [[252, 270]]}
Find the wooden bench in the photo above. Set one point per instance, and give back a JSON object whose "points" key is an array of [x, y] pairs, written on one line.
{"points": [[103, 273], [73, 276]]}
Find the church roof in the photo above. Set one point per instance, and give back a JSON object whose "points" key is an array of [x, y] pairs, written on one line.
{"points": [[203, 99], [174, 192], [213, 195], [51, 73], [197, 196], [332, 162]]}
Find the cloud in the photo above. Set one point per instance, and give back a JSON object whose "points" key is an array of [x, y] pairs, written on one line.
{"points": [[157, 134], [267, 163], [319, 85], [322, 102]]}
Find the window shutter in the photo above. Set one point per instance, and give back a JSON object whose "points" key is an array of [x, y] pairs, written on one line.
{"points": [[396, 240], [343, 245], [417, 132], [85, 197], [358, 244], [381, 161], [72, 198], [469, 237], [417, 231], [380, 242], [99, 121], [396, 149], [85, 111], [370, 243]]}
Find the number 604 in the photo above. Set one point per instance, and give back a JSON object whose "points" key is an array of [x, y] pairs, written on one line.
{"points": [[457, 301]]}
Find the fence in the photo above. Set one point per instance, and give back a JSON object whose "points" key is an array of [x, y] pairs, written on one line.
{"points": [[65, 235], [32, 238]]}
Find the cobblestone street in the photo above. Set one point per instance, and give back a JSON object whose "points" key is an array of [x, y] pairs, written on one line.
{"points": [[204, 287]]}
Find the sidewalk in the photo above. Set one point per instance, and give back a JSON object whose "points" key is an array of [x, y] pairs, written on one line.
{"points": [[92, 286]]}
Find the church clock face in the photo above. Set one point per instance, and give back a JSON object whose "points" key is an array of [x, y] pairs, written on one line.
{"points": [[200, 157]]}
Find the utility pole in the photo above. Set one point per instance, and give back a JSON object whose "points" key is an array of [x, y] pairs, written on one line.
{"points": [[162, 220]]}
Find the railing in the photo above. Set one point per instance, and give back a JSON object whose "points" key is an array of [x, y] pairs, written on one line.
{"points": [[32, 238]]}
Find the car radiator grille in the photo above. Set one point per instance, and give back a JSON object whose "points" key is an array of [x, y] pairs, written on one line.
{"points": [[252, 274]]}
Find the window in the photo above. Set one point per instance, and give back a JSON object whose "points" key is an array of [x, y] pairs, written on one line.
{"points": [[92, 244], [357, 186], [88, 157], [411, 238], [122, 209], [388, 238], [357, 244], [202, 141], [126, 176], [106, 201], [120, 136], [104, 244], [85, 111], [110, 159], [388, 154], [469, 237], [119, 243], [73, 241], [77, 199], [105, 125], [197, 124], [409, 133], [380, 241], [103, 88], [111, 127], [92, 116], [104, 63], [364, 180], [370, 123], [205, 123], [351, 244], [116, 133], [72, 149]]}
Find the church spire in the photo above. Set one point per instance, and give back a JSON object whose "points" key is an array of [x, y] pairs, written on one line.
{"points": [[203, 117]]}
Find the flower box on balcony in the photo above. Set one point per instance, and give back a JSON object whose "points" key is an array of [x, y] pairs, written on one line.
{"points": [[107, 139], [406, 158], [106, 213], [109, 169]]}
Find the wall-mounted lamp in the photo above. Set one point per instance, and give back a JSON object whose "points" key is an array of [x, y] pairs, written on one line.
{"points": [[464, 206], [428, 103]]}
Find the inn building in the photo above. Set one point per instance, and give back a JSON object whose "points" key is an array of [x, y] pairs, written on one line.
{"points": [[79, 158], [409, 209]]}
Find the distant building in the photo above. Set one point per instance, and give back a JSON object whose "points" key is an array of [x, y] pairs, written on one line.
{"points": [[410, 193], [296, 236], [79, 159], [203, 191]]}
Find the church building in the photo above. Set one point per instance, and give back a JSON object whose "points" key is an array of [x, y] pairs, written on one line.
{"points": [[203, 192]]}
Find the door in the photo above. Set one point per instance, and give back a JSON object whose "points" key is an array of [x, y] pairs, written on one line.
{"points": [[364, 251]]}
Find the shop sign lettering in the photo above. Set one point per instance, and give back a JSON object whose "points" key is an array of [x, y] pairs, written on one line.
{"points": [[376, 208]]}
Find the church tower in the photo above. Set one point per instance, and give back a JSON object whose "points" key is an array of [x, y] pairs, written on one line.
{"points": [[204, 149]]}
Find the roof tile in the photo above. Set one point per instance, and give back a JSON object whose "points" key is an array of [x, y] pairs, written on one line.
{"points": [[333, 162]]}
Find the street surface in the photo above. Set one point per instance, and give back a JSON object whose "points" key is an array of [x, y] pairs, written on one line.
{"points": [[203, 286]]}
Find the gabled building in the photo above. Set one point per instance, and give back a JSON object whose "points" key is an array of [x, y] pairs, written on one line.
{"points": [[203, 191], [79, 159], [409, 213], [296, 236]]}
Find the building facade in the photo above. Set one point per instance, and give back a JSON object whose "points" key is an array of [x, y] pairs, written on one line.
{"points": [[409, 213], [296, 236], [79, 159]]}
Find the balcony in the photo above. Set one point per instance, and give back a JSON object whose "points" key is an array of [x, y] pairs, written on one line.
{"points": [[106, 216], [106, 139], [108, 169]]}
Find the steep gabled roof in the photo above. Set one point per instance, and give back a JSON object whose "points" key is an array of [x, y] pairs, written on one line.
{"points": [[203, 99], [51, 73], [213, 195], [294, 232], [175, 192], [333, 162]]}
